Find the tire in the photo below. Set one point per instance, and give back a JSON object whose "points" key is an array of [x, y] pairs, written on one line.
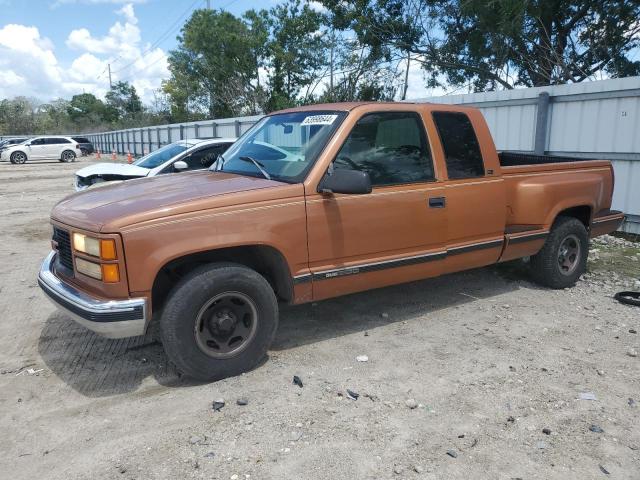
{"points": [[553, 267], [195, 313], [68, 156], [628, 298], [18, 157]]}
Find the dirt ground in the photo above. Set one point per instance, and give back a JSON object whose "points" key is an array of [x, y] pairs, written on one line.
{"points": [[487, 359]]}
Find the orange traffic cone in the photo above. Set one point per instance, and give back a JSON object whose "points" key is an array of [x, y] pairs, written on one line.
{"points": [[98, 154], [129, 157], [113, 155]]}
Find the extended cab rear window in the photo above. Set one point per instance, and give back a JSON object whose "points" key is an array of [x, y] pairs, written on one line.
{"points": [[460, 144]]}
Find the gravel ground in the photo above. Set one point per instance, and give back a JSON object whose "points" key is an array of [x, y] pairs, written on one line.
{"points": [[480, 374]]}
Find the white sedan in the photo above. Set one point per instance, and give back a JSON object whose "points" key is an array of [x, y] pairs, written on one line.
{"points": [[176, 157]]}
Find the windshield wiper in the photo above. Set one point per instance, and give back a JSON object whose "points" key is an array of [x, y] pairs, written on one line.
{"points": [[258, 165]]}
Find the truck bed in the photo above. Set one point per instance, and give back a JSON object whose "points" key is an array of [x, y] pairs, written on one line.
{"points": [[514, 159]]}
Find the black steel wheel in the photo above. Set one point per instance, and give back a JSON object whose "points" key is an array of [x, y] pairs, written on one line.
{"points": [[226, 324], [219, 321]]}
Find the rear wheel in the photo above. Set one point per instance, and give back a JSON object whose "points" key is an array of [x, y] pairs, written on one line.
{"points": [[18, 157], [68, 156], [219, 321], [563, 257]]}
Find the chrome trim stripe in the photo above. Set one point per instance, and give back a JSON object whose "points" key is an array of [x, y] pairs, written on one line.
{"points": [[474, 246], [111, 318], [304, 278], [610, 218], [529, 237], [371, 267], [394, 263]]}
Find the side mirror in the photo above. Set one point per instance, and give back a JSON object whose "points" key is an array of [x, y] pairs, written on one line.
{"points": [[180, 165], [345, 181]]}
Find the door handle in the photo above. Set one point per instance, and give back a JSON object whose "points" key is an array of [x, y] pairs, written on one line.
{"points": [[437, 202]]}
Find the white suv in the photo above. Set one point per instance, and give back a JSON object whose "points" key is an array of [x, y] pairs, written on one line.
{"points": [[64, 149]]}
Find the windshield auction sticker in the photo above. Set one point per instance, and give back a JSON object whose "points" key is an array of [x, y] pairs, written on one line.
{"points": [[319, 120]]}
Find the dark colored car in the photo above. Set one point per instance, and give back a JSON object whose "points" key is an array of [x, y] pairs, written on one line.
{"points": [[86, 147]]}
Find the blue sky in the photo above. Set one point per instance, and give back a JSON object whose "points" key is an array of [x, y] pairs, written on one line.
{"points": [[58, 48]]}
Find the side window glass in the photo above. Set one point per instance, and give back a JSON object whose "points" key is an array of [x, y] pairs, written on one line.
{"points": [[391, 147], [202, 158], [38, 141], [460, 144]]}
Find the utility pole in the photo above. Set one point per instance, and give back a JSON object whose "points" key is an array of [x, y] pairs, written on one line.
{"points": [[208, 4], [333, 44], [109, 67]]}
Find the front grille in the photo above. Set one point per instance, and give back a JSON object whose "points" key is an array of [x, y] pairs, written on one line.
{"points": [[62, 238]]}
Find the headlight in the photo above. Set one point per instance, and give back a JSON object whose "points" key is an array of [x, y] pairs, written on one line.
{"points": [[90, 269], [104, 249], [108, 273]]}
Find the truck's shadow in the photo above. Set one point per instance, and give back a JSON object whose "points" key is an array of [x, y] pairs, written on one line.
{"points": [[96, 367]]}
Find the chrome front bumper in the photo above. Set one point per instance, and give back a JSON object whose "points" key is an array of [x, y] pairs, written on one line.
{"points": [[109, 318]]}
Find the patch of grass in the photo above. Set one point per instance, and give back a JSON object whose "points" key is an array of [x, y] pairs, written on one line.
{"points": [[613, 258]]}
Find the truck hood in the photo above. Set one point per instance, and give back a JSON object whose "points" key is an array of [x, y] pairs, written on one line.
{"points": [[112, 207], [125, 170]]}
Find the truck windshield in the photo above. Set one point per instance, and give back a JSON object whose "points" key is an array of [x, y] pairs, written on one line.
{"points": [[285, 145], [158, 157]]}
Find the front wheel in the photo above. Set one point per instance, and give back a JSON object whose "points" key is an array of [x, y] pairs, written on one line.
{"points": [[68, 156], [18, 157], [563, 257], [219, 321]]}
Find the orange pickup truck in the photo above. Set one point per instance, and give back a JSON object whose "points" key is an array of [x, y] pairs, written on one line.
{"points": [[312, 203]]}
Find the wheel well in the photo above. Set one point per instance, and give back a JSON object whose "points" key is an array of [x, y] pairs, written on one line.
{"points": [[582, 213], [265, 260]]}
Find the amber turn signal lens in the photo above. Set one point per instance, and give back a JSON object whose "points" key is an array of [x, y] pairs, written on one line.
{"points": [[110, 273], [107, 249]]}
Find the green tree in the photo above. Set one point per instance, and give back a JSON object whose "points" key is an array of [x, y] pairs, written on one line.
{"points": [[214, 67], [501, 43], [122, 101], [87, 108], [17, 116], [297, 52], [53, 117]]}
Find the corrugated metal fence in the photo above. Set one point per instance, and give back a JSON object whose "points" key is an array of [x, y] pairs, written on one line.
{"points": [[139, 141]]}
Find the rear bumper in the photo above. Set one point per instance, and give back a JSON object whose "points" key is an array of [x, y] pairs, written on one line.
{"points": [[606, 222], [109, 318]]}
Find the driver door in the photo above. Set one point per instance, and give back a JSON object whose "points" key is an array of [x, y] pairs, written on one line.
{"points": [[37, 148], [394, 234]]}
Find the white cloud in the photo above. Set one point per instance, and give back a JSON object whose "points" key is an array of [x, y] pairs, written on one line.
{"points": [[130, 60], [28, 64], [317, 6]]}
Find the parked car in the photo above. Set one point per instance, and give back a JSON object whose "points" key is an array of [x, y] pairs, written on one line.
{"points": [[176, 157], [86, 147], [59, 148], [370, 195], [7, 142]]}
